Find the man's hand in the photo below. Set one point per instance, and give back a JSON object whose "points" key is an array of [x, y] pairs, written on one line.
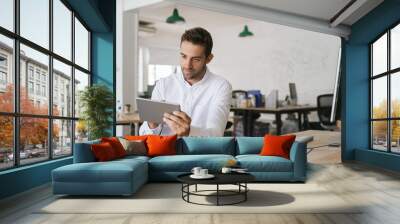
{"points": [[179, 122]]}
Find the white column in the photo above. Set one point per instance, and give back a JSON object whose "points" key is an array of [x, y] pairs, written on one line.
{"points": [[127, 60], [146, 59]]}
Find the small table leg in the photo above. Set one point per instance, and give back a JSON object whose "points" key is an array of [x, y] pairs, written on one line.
{"points": [[245, 193], [299, 120], [278, 123], [217, 194], [250, 123], [244, 122]]}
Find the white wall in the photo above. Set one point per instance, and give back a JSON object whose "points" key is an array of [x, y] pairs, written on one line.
{"points": [[275, 56]]}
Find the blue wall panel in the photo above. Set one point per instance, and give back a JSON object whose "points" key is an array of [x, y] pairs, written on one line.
{"points": [[102, 59], [377, 158], [356, 94], [24, 178], [356, 99]]}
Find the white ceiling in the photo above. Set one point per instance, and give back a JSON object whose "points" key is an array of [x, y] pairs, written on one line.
{"points": [[313, 15], [193, 16], [319, 9]]}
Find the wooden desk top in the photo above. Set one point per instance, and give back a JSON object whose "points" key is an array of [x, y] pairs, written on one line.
{"points": [[127, 118]]}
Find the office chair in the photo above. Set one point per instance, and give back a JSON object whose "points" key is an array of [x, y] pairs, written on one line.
{"points": [[324, 106]]}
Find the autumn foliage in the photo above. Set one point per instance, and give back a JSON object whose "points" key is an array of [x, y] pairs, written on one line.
{"points": [[33, 131], [380, 127]]}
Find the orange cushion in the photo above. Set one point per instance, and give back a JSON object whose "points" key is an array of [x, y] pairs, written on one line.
{"points": [[161, 145], [277, 145], [136, 137], [116, 145], [103, 151]]}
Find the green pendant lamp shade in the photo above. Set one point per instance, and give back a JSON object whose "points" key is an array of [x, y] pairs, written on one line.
{"points": [[175, 17], [245, 32]]}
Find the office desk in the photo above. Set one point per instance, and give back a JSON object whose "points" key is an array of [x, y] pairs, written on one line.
{"points": [[248, 122], [131, 119]]}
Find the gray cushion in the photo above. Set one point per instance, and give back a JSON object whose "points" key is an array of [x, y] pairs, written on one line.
{"points": [[134, 147]]}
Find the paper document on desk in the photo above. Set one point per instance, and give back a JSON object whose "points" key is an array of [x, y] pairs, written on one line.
{"points": [[271, 101]]}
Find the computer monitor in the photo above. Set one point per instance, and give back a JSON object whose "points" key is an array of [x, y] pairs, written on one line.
{"points": [[293, 93], [336, 102]]}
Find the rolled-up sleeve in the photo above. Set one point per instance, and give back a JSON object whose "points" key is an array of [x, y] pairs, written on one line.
{"points": [[218, 113], [144, 128]]}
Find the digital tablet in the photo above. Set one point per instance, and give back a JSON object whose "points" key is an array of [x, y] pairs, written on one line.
{"points": [[153, 110]]}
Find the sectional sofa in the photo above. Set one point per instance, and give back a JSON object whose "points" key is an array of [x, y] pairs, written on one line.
{"points": [[125, 176]]}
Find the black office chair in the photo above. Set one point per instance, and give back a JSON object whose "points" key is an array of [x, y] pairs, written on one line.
{"points": [[324, 107]]}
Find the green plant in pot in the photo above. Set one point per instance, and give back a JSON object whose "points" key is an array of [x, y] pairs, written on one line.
{"points": [[97, 103]]}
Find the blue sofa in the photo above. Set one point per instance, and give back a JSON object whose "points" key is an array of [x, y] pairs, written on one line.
{"points": [[125, 176]]}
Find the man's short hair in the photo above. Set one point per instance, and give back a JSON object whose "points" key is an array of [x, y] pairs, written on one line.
{"points": [[199, 36]]}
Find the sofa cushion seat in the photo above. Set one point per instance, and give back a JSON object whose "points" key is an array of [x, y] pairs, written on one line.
{"points": [[257, 163], [184, 163], [111, 171], [132, 158]]}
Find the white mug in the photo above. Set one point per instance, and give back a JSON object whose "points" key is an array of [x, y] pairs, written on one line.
{"points": [[196, 170], [203, 172], [226, 170]]}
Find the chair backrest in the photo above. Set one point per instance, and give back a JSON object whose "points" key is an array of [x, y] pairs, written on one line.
{"points": [[324, 106]]}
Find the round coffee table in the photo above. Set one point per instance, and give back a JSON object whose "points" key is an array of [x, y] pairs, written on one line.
{"points": [[238, 179]]}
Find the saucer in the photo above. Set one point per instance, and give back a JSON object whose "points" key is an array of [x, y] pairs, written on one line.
{"points": [[208, 176]]}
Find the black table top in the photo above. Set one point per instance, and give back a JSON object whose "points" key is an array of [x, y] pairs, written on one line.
{"points": [[220, 178]]}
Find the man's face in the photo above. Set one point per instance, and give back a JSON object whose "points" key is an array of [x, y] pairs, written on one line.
{"points": [[193, 60]]}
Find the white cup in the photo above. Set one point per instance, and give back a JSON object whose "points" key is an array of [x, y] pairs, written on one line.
{"points": [[196, 170], [203, 172], [226, 170]]}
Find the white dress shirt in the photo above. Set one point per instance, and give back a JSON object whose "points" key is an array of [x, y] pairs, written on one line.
{"points": [[206, 102]]}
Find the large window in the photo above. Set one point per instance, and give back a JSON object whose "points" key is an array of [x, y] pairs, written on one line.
{"points": [[44, 63], [385, 91]]}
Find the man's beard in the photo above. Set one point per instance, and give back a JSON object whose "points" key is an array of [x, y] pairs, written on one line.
{"points": [[193, 74]]}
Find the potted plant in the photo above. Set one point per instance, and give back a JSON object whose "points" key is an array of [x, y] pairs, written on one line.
{"points": [[97, 103]]}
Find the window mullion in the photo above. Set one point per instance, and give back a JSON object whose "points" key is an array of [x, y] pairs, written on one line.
{"points": [[50, 81], [16, 84], [371, 99], [73, 82], [389, 101]]}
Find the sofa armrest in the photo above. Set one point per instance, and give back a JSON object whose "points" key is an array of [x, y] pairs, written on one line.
{"points": [[83, 152], [305, 139], [298, 155]]}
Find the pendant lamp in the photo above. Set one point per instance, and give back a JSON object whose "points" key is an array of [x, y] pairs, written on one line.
{"points": [[245, 32], [175, 17]]}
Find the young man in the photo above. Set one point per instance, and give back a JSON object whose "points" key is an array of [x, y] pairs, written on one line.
{"points": [[204, 97]]}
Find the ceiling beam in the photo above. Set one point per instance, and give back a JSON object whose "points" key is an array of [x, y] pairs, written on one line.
{"points": [[268, 15], [346, 12], [133, 5]]}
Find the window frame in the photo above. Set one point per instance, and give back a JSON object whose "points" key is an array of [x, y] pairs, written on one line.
{"points": [[388, 74], [16, 114]]}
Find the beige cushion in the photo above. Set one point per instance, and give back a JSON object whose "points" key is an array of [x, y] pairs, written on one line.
{"points": [[134, 147]]}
